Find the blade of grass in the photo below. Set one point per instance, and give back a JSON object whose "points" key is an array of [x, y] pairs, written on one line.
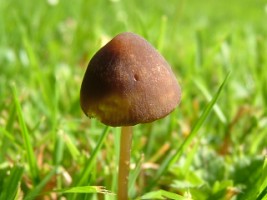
{"points": [[134, 175], [7, 134], [11, 183], [84, 176], [88, 166], [263, 188], [207, 95], [74, 151], [256, 188], [263, 194], [190, 157], [58, 150], [162, 194], [7, 137], [26, 138], [85, 190], [37, 190], [170, 160]]}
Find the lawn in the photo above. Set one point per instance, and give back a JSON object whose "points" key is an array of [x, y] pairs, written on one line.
{"points": [[213, 146]]}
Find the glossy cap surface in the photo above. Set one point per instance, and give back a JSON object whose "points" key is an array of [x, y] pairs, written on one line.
{"points": [[128, 82]]}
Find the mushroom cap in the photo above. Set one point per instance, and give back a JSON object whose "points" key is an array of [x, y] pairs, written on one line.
{"points": [[128, 82]]}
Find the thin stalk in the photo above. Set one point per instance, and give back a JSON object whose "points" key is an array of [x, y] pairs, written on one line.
{"points": [[124, 163]]}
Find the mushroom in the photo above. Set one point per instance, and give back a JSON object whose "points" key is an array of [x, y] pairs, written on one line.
{"points": [[127, 82]]}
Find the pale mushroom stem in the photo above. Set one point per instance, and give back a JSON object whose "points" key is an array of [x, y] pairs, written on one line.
{"points": [[124, 163]]}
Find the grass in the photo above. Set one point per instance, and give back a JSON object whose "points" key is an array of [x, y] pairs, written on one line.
{"points": [[213, 146]]}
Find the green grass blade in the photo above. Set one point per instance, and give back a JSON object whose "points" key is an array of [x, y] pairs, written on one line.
{"points": [[208, 96], [88, 166], [11, 183], [26, 138], [85, 190], [170, 160], [133, 176], [262, 195], [38, 189], [7, 134], [7, 138], [162, 194], [87, 170], [263, 188], [58, 150], [74, 151], [256, 181]]}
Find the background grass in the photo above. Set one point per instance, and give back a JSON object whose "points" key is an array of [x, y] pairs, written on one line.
{"points": [[46, 142]]}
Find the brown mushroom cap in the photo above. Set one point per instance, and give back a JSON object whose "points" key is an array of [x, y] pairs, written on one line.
{"points": [[128, 82]]}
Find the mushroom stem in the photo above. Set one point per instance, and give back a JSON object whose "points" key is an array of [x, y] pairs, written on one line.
{"points": [[124, 163]]}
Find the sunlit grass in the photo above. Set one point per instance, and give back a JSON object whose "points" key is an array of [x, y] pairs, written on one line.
{"points": [[49, 148]]}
